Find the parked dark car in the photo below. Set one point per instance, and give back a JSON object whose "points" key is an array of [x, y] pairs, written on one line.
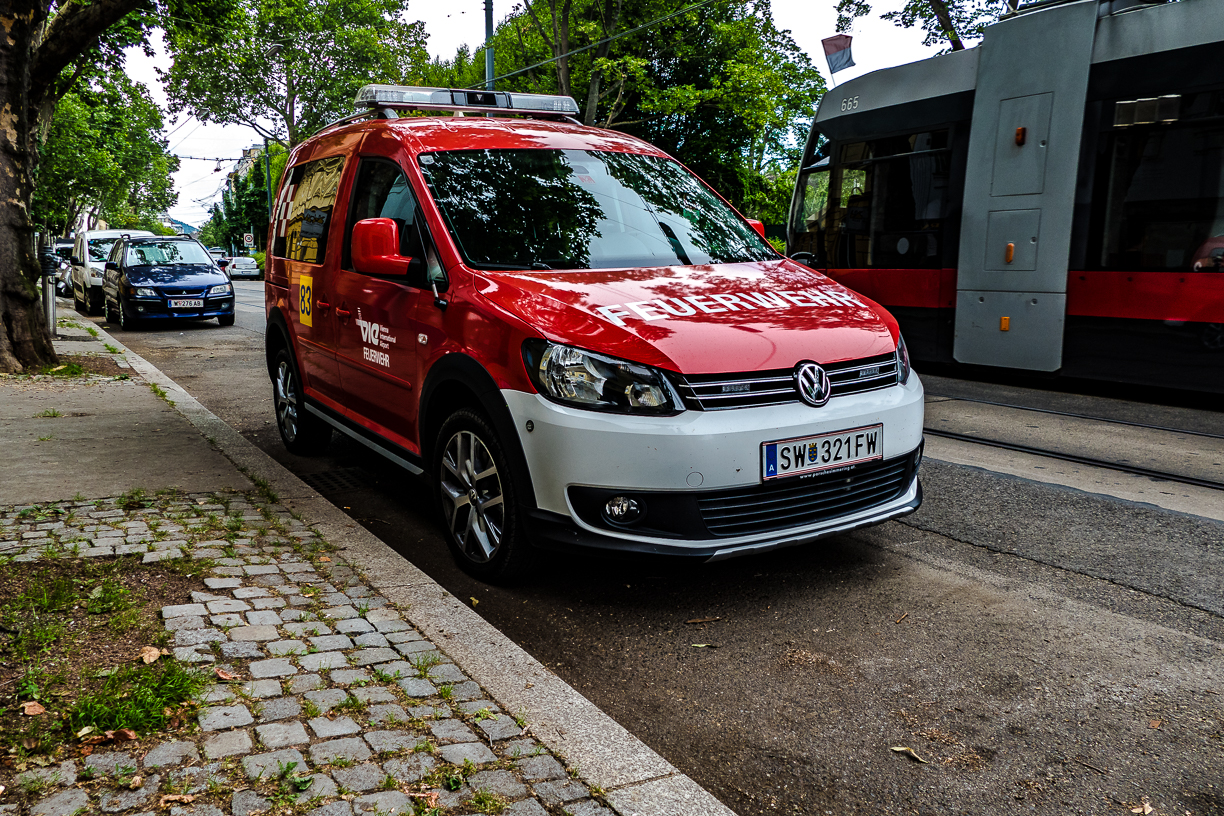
{"points": [[159, 278]]}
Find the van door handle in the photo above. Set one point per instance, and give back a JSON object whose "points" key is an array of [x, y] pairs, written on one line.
{"points": [[343, 314], [322, 305]]}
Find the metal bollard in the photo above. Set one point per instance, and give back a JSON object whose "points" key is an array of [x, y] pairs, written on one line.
{"points": [[49, 264]]}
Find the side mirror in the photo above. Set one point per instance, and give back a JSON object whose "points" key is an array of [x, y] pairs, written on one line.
{"points": [[805, 258], [376, 249], [75, 260], [223, 263], [111, 265], [758, 226]]}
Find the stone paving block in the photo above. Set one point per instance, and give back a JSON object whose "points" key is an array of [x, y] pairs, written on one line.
{"points": [[198, 637], [171, 753], [267, 603], [344, 677], [276, 667], [327, 699], [404, 637], [540, 768], [350, 748], [447, 673], [265, 617], [258, 633], [335, 599], [384, 803], [338, 613], [502, 783], [447, 731], [305, 682], [297, 566], [394, 714], [248, 802], [222, 583], [219, 607], [414, 646], [374, 694], [63, 774], [477, 706], [268, 766], [322, 660], [282, 734], [370, 639], [359, 778], [354, 625], [397, 669], [229, 620], [281, 708], [243, 648], [367, 657], [391, 626], [180, 610], [417, 687], [216, 694], [222, 717], [329, 643], [410, 768], [469, 690], [306, 628], [109, 763], [268, 580], [64, 803], [525, 807], [555, 793], [287, 647], [116, 802], [229, 571], [587, 807], [339, 727], [382, 741], [428, 712], [340, 808], [246, 593], [261, 569], [321, 785], [500, 727], [262, 688], [191, 654], [475, 751]]}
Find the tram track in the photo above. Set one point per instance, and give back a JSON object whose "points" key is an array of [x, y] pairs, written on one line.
{"points": [[1105, 464]]}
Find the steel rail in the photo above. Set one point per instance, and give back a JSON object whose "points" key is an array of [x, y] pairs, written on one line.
{"points": [[1079, 416], [1134, 470]]}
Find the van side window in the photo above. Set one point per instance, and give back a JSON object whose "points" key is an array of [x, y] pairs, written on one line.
{"points": [[304, 211], [382, 191]]}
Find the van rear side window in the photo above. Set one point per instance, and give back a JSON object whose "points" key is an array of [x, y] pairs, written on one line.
{"points": [[305, 209]]}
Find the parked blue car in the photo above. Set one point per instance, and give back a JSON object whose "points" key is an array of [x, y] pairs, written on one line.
{"points": [[159, 278]]}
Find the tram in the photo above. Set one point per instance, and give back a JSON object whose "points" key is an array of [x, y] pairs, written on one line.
{"points": [[1051, 200]]}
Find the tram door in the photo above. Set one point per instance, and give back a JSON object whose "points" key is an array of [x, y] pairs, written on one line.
{"points": [[1020, 181]]}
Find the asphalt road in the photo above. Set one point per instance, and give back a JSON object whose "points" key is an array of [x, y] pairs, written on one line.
{"points": [[1043, 649]]}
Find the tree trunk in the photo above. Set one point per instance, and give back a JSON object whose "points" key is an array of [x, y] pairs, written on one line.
{"points": [[609, 15], [940, 10], [25, 341]]}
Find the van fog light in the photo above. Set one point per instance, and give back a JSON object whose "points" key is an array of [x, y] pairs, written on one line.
{"points": [[622, 510]]}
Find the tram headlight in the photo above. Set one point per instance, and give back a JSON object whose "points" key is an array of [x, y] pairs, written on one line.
{"points": [[903, 361]]}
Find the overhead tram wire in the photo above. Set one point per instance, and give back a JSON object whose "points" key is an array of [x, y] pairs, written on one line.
{"points": [[598, 43]]}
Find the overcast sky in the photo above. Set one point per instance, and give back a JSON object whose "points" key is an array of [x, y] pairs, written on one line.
{"points": [[877, 44]]}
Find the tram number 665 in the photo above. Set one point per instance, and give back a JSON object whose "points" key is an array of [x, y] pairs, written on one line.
{"points": [[849, 103]]}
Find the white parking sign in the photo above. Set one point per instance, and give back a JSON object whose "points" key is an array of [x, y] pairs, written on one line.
{"points": [[248, 239]]}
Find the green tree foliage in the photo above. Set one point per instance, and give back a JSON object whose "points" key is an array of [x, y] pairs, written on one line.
{"points": [[296, 64], [104, 156], [244, 205], [719, 87], [946, 22]]}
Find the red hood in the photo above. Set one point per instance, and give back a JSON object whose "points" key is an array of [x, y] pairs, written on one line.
{"points": [[699, 319]]}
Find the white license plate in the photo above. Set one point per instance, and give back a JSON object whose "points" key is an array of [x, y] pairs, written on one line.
{"points": [[191, 303], [809, 454]]}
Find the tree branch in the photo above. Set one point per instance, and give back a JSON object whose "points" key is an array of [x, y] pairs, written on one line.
{"points": [[76, 26]]}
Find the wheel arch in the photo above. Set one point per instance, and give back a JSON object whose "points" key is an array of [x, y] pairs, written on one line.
{"points": [[458, 381]]}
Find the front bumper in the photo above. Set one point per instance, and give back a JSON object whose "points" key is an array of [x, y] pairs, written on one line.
{"points": [[158, 308], [693, 469]]}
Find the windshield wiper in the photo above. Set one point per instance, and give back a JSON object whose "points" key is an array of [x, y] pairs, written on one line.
{"points": [[510, 267]]}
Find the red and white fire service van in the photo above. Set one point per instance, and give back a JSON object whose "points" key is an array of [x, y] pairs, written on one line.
{"points": [[577, 341]]}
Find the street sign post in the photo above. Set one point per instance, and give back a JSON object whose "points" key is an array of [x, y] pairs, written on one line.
{"points": [[248, 239]]}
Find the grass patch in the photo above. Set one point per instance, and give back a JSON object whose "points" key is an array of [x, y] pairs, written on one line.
{"points": [[161, 394], [139, 697], [111, 348], [49, 413]]}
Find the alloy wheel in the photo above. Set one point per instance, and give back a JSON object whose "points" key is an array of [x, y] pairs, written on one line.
{"points": [[286, 401], [472, 497]]}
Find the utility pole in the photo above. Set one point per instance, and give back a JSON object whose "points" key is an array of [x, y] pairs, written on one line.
{"points": [[488, 45]]}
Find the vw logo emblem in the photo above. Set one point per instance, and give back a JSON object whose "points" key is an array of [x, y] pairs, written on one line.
{"points": [[813, 384]]}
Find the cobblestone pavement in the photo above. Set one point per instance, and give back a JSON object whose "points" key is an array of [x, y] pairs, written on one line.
{"points": [[326, 699]]}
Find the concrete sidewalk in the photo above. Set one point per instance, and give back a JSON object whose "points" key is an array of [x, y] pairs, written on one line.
{"points": [[312, 613]]}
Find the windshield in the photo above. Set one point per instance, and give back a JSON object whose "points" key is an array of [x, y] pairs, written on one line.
{"points": [[100, 248], [577, 209], [152, 253]]}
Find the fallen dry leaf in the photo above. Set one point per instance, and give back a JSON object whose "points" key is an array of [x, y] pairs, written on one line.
{"points": [[474, 601], [32, 709], [325, 558], [222, 674], [149, 654], [909, 752], [29, 744], [137, 782], [173, 798], [122, 735], [702, 620], [1155, 723]]}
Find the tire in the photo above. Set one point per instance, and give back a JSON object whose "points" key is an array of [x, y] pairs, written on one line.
{"points": [[478, 500], [302, 433], [126, 323], [226, 320], [112, 314], [95, 301], [77, 303]]}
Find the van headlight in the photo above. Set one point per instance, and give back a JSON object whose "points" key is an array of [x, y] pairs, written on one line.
{"points": [[584, 379], [903, 361]]}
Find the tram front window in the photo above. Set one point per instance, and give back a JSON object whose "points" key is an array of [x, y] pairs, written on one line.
{"points": [[1163, 208], [880, 206]]}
